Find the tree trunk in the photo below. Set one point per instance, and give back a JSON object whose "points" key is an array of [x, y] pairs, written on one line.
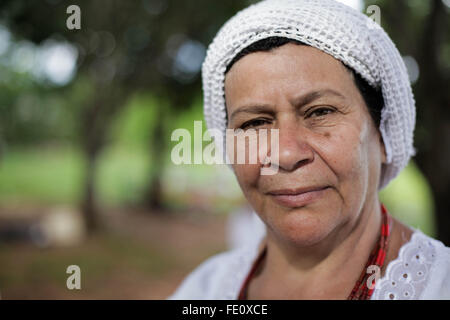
{"points": [[154, 195], [92, 144], [89, 207], [96, 120]]}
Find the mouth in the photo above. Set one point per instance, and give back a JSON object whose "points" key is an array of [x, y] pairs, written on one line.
{"points": [[294, 198]]}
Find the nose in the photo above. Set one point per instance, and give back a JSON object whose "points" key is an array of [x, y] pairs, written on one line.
{"points": [[294, 150]]}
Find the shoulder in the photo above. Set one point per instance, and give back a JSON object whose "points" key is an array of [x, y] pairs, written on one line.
{"points": [[421, 271], [212, 278]]}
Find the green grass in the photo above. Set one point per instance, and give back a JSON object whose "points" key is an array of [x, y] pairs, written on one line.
{"points": [[123, 174], [55, 176], [44, 175]]}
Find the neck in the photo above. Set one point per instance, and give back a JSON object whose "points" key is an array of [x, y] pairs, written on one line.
{"points": [[345, 250]]}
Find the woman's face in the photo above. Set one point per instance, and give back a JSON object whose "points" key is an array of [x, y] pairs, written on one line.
{"points": [[330, 152]]}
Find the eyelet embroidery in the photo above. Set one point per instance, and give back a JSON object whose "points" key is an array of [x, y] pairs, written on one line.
{"points": [[406, 276]]}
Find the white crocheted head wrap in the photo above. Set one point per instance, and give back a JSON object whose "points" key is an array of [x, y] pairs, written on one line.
{"points": [[346, 34]]}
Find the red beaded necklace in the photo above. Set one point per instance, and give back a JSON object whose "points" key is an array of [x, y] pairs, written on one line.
{"points": [[360, 291]]}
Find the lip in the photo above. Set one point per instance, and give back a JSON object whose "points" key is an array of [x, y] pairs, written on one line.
{"points": [[299, 197]]}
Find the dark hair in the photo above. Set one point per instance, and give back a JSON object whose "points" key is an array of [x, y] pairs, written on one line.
{"points": [[372, 97]]}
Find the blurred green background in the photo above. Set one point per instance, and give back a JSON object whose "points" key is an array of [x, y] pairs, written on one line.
{"points": [[85, 123]]}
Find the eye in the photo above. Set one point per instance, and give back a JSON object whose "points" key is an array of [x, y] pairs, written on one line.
{"points": [[319, 112], [253, 123]]}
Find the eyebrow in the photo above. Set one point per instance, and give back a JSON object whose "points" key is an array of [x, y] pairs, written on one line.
{"points": [[298, 102]]}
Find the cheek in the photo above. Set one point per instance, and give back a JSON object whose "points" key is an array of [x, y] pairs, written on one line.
{"points": [[247, 175], [345, 152], [246, 155]]}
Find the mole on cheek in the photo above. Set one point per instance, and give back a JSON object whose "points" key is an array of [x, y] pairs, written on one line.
{"points": [[327, 135]]}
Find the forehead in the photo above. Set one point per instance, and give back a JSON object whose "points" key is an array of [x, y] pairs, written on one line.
{"points": [[290, 69]]}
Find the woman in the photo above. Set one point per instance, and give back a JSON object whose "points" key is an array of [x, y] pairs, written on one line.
{"points": [[335, 87]]}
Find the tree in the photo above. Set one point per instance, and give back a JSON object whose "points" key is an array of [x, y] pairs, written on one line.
{"points": [[124, 47]]}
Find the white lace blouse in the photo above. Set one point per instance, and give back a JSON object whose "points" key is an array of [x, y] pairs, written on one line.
{"points": [[421, 271]]}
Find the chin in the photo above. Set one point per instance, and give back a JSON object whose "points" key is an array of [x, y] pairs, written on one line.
{"points": [[303, 226]]}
